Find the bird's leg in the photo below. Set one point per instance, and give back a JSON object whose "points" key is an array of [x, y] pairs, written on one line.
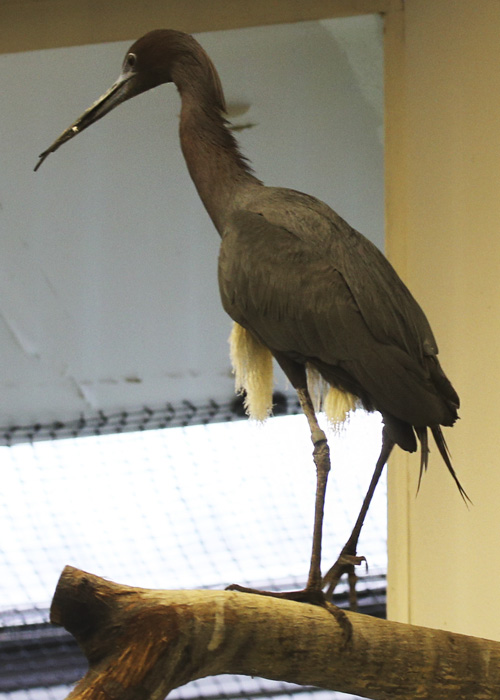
{"points": [[348, 558], [321, 456], [313, 592]]}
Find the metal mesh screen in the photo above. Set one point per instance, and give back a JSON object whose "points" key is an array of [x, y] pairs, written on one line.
{"points": [[179, 507]]}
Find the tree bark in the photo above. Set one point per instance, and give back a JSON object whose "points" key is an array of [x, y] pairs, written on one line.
{"points": [[141, 644]]}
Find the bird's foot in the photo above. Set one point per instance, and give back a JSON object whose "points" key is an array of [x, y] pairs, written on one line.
{"points": [[345, 564], [309, 594], [312, 596]]}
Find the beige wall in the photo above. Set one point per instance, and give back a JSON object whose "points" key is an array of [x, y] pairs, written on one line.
{"points": [[443, 202]]}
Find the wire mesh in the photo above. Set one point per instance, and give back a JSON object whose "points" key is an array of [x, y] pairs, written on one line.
{"points": [[187, 507]]}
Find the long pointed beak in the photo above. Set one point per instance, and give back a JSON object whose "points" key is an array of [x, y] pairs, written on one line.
{"points": [[120, 91]]}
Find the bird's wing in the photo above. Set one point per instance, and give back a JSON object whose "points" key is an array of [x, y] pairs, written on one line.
{"points": [[311, 287], [291, 257], [282, 290]]}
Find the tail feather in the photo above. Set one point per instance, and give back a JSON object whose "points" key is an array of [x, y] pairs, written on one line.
{"points": [[424, 452], [445, 389], [445, 454]]}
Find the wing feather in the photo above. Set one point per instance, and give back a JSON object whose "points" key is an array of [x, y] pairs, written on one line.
{"points": [[307, 284]]}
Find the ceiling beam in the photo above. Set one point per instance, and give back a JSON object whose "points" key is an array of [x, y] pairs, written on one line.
{"points": [[29, 25]]}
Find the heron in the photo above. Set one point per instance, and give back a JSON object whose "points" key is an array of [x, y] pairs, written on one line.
{"points": [[301, 285]]}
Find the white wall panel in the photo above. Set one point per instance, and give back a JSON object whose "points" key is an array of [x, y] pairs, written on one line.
{"points": [[108, 292]]}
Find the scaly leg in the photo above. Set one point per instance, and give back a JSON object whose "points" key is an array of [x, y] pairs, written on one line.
{"points": [[321, 456], [348, 558], [312, 593]]}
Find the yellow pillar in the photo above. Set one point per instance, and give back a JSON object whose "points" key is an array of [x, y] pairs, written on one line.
{"points": [[443, 234]]}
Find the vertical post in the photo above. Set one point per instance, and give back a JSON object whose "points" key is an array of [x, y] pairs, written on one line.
{"points": [[443, 233], [395, 154]]}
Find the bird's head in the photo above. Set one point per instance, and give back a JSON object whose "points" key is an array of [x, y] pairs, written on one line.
{"points": [[150, 61]]}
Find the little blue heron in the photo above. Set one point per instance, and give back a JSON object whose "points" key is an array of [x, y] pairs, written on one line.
{"points": [[300, 284]]}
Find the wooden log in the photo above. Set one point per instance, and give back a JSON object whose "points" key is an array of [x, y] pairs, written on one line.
{"points": [[141, 644]]}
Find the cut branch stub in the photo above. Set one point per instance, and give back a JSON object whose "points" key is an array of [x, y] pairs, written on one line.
{"points": [[143, 643]]}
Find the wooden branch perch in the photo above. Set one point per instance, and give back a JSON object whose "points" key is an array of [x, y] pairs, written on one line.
{"points": [[141, 644]]}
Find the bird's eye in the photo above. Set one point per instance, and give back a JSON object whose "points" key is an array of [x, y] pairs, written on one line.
{"points": [[130, 60]]}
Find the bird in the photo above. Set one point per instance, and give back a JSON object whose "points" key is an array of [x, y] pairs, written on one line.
{"points": [[301, 285]]}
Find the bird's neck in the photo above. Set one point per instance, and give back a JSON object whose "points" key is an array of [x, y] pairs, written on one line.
{"points": [[220, 173]]}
